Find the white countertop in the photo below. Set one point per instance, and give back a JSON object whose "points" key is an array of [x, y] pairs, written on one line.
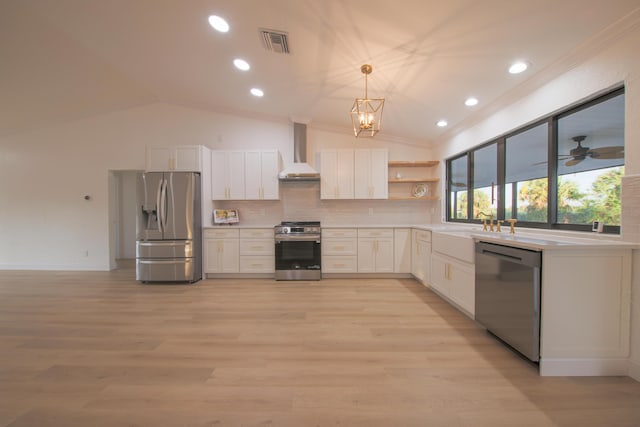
{"points": [[523, 238]]}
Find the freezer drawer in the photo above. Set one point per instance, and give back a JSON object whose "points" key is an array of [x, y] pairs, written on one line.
{"points": [[164, 249], [166, 270]]}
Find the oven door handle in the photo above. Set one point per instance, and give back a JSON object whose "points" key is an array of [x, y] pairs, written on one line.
{"points": [[307, 238]]}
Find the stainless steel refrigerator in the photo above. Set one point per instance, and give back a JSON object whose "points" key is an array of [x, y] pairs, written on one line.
{"points": [[168, 241]]}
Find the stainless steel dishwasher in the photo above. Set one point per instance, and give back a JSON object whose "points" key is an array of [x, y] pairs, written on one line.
{"points": [[508, 295]]}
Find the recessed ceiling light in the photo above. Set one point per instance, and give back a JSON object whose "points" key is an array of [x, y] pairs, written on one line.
{"points": [[471, 101], [442, 123], [257, 92], [218, 23], [241, 64], [518, 67]]}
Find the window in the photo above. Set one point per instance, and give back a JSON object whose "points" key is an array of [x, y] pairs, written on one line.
{"points": [[526, 179], [457, 183], [485, 181], [591, 163], [562, 172]]}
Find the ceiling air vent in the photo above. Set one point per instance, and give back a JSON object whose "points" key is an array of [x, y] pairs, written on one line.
{"points": [[275, 41]]}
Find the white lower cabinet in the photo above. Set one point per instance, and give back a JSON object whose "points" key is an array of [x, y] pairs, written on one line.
{"points": [[421, 255], [257, 250], [452, 269], [339, 250], [221, 251], [455, 280], [402, 250], [375, 250]]}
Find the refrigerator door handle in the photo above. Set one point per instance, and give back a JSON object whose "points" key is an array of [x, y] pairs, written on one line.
{"points": [[163, 205], [161, 243], [159, 206]]}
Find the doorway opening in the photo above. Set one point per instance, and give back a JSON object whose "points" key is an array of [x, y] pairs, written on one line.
{"points": [[122, 218]]}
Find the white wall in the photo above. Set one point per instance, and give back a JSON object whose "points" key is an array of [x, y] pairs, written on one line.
{"points": [[615, 61], [45, 174]]}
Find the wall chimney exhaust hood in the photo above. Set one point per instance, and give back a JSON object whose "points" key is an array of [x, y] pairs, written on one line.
{"points": [[299, 170]]}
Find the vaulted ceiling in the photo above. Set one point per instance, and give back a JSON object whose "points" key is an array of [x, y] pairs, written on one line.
{"points": [[68, 59]]}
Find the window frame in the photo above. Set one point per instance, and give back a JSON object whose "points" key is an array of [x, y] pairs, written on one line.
{"points": [[552, 171]]}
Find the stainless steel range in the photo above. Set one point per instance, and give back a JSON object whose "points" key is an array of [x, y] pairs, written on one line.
{"points": [[298, 253]]}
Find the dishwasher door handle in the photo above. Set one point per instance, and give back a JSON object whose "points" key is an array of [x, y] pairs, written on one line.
{"points": [[530, 258], [504, 256]]}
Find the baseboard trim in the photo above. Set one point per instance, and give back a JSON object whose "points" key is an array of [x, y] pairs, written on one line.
{"points": [[634, 370], [583, 367]]}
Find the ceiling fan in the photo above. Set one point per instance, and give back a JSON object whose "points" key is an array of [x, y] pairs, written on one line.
{"points": [[579, 153]]}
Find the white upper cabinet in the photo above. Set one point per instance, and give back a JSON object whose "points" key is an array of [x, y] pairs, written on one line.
{"points": [[371, 173], [336, 174], [186, 158], [261, 175], [227, 175]]}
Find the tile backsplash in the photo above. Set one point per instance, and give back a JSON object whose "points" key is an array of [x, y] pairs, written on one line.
{"points": [[300, 201]]}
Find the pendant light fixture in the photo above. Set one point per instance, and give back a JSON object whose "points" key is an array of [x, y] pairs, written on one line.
{"points": [[366, 114]]}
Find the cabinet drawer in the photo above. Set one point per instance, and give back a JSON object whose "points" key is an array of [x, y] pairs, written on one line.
{"points": [[375, 232], [422, 235], [339, 247], [257, 247], [339, 264], [257, 264], [256, 233], [328, 233], [222, 233]]}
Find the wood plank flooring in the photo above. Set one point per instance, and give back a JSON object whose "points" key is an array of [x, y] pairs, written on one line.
{"points": [[99, 349]]}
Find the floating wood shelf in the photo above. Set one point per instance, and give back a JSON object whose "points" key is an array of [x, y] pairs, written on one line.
{"points": [[412, 180], [421, 164], [414, 198]]}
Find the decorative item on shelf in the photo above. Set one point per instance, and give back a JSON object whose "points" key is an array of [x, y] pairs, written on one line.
{"points": [[398, 175], [366, 114], [420, 190], [225, 216]]}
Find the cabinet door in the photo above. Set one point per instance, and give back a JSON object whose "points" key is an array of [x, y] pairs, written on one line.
{"points": [[462, 279], [370, 174], [270, 168], [236, 180], [187, 159], [253, 175], [336, 174], [384, 255], [328, 174], [366, 255], [362, 174], [230, 256], [439, 273], [211, 249], [227, 175], [261, 180], [380, 173], [402, 250], [344, 174], [159, 159]]}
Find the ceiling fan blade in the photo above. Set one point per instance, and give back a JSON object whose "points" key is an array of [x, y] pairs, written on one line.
{"points": [[607, 153], [573, 162]]}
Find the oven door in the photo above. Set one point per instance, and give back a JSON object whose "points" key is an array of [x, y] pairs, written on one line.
{"points": [[298, 258]]}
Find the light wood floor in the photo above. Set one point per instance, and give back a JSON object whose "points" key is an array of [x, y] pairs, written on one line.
{"points": [[98, 349]]}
